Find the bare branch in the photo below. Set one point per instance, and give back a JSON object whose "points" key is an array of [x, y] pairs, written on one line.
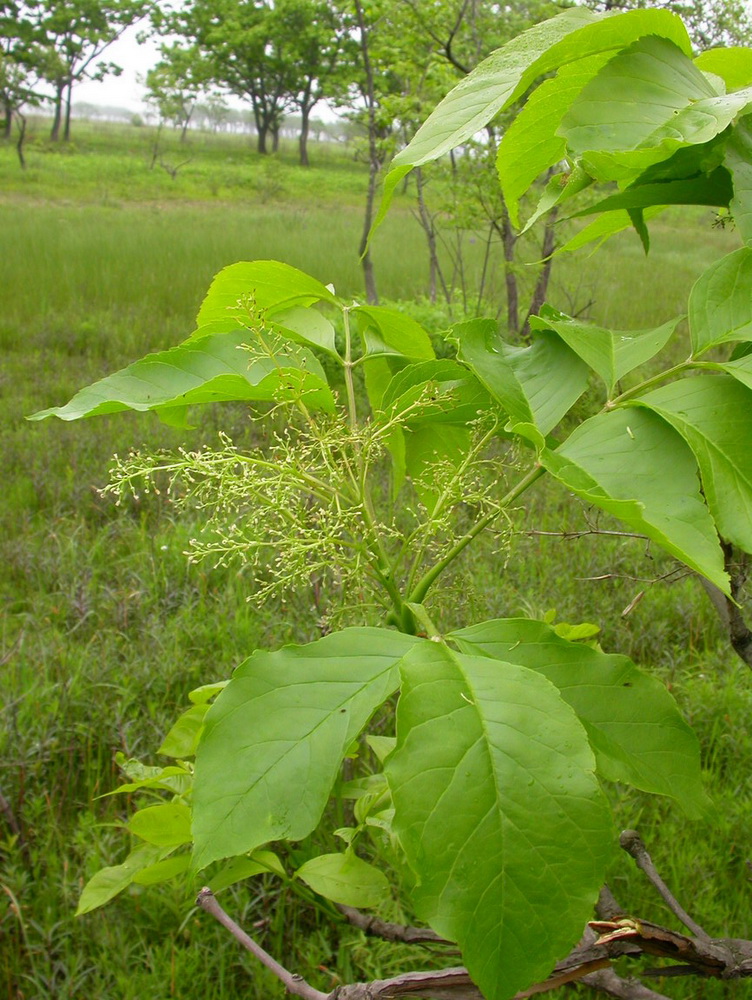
{"points": [[633, 844], [292, 983], [371, 924], [606, 981]]}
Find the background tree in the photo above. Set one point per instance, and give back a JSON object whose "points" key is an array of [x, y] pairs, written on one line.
{"points": [[77, 33], [709, 22], [174, 85]]}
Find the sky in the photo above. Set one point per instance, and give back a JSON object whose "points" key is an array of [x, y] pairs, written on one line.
{"points": [[122, 91]]}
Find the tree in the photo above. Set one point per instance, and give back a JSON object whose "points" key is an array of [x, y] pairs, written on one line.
{"points": [[21, 56], [485, 800], [174, 85], [709, 22], [77, 33]]}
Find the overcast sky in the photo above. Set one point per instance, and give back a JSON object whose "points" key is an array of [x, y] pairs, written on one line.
{"points": [[123, 91]]}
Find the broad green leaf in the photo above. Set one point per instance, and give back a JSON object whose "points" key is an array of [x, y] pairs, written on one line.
{"points": [[108, 882], [306, 326], [559, 190], [432, 451], [633, 465], [482, 349], [382, 746], [163, 871], [713, 413], [739, 162], [345, 879], [182, 739], [602, 228], [275, 738], [172, 779], [733, 65], [505, 75], [633, 724], [720, 306], [210, 370], [551, 375], [386, 331], [239, 869], [269, 283], [445, 391], [611, 354], [645, 103], [532, 144], [714, 189], [167, 825], [498, 811]]}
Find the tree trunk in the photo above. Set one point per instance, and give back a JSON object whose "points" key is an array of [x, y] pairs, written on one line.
{"points": [[374, 162], [305, 114], [21, 121], [275, 138], [509, 241], [541, 286], [434, 264], [7, 120], [262, 130], [369, 275], [58, 114], [68, 96]]}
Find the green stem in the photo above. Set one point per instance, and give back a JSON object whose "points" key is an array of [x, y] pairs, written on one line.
{"points": [[348, 365], [419, 591], [649, 383]]}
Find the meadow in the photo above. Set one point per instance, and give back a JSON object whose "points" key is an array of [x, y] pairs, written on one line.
{"points": [[105, 626]]}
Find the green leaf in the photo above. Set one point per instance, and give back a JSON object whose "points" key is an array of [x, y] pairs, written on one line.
{"points": [[551, 375], [611, 354], [275, 738], [239, 869], [532, 144], [644, 104], [713, 189], [204, 693], [720, 306], [172, 778], [602, 228], [271, 285], [559, 190], [505, 75], [633, 724], [739, 162], [214, 369], [499, 813], [386, 331], [428, 446], [167, 825], [482, 349], [163, 871], [108, 882], [345, 879], [382, 746], [306, 326], [456, 397], [732, 64], [182, 739], [713, 413], [633, 465]]}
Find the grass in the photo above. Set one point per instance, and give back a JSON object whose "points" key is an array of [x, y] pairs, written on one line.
{"points": [[105, 627]]}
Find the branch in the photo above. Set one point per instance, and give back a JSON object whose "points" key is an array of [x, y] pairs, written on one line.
{"points": [[292, 983], [606, 981], [632, 843], [387, 931]]}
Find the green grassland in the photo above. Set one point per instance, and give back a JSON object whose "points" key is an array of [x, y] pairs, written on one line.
{"points": [[105, 627]]}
